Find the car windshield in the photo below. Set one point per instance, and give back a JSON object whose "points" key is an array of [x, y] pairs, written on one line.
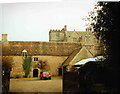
{"points": [[45, 73]]}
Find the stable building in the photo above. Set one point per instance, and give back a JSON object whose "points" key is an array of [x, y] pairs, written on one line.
{"points": [[61, 50], [51, 52]]}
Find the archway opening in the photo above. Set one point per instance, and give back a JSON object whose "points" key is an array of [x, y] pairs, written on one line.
{"points": [[35, 73]]}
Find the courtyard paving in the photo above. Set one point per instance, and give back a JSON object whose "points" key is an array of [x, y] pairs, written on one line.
{"points": [[36, 85]]}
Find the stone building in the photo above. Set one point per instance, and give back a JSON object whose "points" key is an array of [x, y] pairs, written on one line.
{"points": [[85, 38], [54, 53], [64, 48], [90, 45]]}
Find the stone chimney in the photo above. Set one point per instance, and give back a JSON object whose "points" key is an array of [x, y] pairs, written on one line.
{"points": [[65, 27], [4, 37]]}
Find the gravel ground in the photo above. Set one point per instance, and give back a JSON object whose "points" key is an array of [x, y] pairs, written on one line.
{"points": [[36, 85]]}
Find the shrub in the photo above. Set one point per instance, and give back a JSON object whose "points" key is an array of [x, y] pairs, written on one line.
{"points": [[17, 76]]}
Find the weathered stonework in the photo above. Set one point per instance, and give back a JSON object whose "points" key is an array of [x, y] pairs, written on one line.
{"points": [[65, 48], [85, 38], [54, 53], [54, 63]]}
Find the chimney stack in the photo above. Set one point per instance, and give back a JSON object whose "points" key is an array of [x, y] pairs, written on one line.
{"points": [[4, 37], [65, 27]]}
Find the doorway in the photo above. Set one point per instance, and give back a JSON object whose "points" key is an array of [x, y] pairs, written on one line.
{"points": [[35, 73], [59, 71]]}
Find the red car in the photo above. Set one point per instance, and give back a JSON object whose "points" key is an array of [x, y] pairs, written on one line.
{"points": [[45, 75]]}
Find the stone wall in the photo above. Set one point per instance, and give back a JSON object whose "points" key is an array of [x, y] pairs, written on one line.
{"points": [[54, 63], [17, 69], [56, 36]]}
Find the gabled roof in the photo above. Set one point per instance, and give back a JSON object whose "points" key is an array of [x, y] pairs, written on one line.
{"points": [[80, 33], [78, 55], [71, 57]]}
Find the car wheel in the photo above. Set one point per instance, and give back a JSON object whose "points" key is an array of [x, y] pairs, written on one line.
{"points": [[50, 78], [41, 78]]}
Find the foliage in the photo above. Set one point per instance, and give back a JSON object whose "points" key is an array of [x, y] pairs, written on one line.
{"points": [[7, 62], [43, 65], [6, 68], [17, 76], [104, 20], [105, 23], [26, 65], [92, 74]]}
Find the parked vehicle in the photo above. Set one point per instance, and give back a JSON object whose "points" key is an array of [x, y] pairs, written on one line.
{"points": [[45, 75], [84, 61]]}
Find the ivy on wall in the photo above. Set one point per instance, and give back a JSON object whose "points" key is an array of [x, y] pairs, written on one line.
{"points": [[26, 65]]}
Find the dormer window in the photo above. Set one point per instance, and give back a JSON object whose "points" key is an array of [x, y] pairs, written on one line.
{"points": [[87, 38], [24, 53]]}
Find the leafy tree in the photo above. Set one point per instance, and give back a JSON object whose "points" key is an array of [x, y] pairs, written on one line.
{"points": [[104, 20], [6, 68], [42, 65], [7, 62], [26, 65], [91, 74]]}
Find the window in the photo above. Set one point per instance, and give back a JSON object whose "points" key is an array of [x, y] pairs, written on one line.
{"points": [[97, 47], [87, 38], [80, 38], [75, 39], [35, 59], [88, 47], [24, 53], [57, 35]]}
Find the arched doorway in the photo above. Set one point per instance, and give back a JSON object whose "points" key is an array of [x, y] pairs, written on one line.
{"points": [[35, 73]]}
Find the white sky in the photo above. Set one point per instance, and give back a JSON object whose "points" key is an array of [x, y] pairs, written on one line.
{"points": [[27, 21]]}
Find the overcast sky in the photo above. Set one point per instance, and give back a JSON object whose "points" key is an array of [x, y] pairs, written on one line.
{"points": [[31, 21]]}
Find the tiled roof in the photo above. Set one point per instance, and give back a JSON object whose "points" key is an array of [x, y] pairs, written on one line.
{"points": [[15, 48]]}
